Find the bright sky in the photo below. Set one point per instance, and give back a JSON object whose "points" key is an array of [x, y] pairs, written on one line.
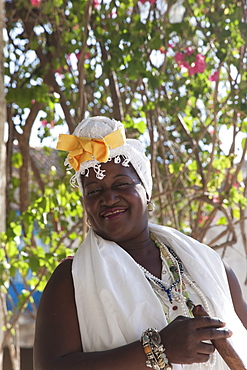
{"points": [[226, 139], [225, 135]]}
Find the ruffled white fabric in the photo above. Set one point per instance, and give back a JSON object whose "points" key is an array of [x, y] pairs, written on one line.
{"points": [[132, 151], [115, 302]]}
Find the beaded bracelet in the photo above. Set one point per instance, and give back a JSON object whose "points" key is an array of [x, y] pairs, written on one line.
{"points": [[154, 350]]}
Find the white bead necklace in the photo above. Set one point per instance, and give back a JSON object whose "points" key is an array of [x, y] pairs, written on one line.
{"points": [[177, 293], [178, 290]]}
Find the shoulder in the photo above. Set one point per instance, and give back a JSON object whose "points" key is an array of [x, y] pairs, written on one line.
{"points": [[62, 276], [59, 285], [239, 303], [57, 330]]}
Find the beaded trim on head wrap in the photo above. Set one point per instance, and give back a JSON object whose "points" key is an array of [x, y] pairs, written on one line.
{"points": [[99, 139]]}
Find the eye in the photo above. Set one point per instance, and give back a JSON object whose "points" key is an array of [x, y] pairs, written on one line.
{"points": [[93, 192], [122, 184]]}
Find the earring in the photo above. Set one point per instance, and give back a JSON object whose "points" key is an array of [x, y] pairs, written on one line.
{"points": [[150, 206], [88, 223]]}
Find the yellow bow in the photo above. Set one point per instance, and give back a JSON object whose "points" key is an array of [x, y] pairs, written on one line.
{"points": [[83, 149]]}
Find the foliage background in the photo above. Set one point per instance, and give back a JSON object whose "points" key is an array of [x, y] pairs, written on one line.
{"points": [[174, 73]]}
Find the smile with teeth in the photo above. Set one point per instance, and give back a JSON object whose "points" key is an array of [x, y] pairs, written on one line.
{"points": [[111, 213]]}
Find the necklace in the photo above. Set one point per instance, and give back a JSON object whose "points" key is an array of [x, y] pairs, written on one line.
{"points": [[175, 269], [176, 290]]}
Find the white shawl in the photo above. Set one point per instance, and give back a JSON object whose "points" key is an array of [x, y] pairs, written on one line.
{"points": [[115, 302]]}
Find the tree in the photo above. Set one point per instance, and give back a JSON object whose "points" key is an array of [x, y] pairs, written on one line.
{"points": [[2, 164], [174, 74]]}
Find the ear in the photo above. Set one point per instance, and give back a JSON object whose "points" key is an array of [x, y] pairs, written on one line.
{"points": [[80, 180], [150, 206]]}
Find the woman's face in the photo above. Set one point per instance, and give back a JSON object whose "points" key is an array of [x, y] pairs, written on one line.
{"points": [[117, 205]]}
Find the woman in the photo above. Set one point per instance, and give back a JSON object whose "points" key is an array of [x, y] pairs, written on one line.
{"points": [[126, 299]]}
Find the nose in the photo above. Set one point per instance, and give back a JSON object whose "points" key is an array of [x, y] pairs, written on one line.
{"points": [[109, 197]]}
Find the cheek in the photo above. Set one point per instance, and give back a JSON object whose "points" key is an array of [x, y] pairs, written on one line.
{"points": [[89, 207], [141, 194]]}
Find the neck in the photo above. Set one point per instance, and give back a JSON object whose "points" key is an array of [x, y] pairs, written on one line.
{"points": [[141, 245], [145, 252]]}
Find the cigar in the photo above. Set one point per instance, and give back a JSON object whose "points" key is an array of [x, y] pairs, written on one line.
{"points": [[223, 346]]}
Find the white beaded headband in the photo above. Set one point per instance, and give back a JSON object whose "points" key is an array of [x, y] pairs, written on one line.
{"points": [[99, 139]]}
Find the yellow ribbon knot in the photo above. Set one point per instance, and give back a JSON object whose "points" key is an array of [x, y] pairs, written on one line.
{"points": [[83, 149]]}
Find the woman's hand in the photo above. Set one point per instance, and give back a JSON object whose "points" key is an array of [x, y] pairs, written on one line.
{"points": [[184, 338]]}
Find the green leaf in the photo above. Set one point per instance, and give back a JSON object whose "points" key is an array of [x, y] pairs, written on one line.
{"points": [[221, 221], [140, 126], [243, 142], [16, 160]]}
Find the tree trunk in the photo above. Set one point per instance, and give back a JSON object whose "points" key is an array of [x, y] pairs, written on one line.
{"points": [[2, 161]]}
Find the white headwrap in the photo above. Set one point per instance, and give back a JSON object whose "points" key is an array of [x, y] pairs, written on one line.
{"points": [[130, 152]]}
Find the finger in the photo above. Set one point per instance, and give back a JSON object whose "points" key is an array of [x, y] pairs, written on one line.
{"points": [[201, 357], [212, 333], [205, 348], [197, 358], [208, 322]]}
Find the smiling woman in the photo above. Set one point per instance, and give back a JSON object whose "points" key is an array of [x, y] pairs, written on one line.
{"points": [[116, 203], [126, 299]]}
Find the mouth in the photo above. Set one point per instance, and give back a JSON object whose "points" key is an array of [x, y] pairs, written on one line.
{"points": [[112, 213]]}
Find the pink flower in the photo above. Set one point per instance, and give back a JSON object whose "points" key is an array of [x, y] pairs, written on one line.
{"points": [[59, 71], [171, 45], [44, 122], [78, 55], [214, 76], [162, 49], [35, 3], [96, 4], [200, 220], [200, 63], [33, 101], [184, 64], [216, 199], [179, 57], [147, 1], [112, 14], [76, 27], [192, 70], [196, 67], [189, 51]]}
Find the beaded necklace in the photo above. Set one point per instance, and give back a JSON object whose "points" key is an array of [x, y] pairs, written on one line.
{"points": [[176, 270], [177, 289]]}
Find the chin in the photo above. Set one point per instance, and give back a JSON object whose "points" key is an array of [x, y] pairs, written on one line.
{"points": [[113, 236]]}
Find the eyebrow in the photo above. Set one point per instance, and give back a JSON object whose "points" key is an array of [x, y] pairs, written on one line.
{"points": [[120, 175], [115, 177], [90, 183]]}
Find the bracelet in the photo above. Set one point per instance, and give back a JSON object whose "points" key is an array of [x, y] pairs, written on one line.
{"points": [[154, 350]]}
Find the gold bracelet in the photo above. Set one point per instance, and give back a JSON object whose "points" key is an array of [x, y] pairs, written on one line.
{"points": [[154, 350]]}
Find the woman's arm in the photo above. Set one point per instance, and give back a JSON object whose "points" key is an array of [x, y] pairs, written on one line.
{"points": [[57, 338], [239, 303], [58, 345]]}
